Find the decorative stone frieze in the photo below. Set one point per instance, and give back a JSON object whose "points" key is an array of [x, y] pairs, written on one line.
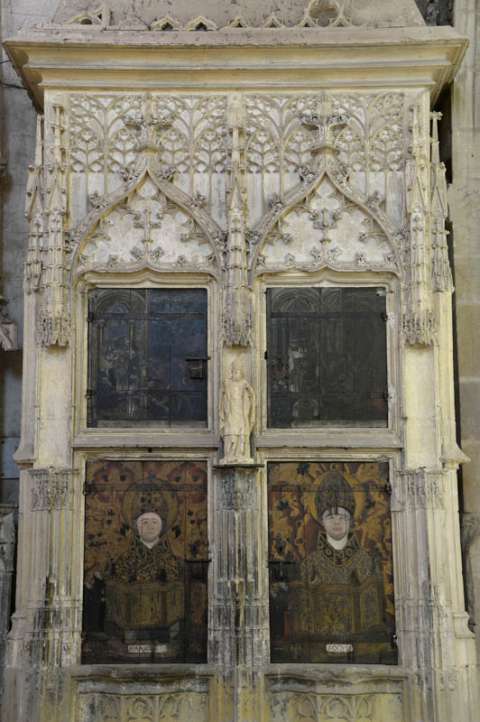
{"points": [[322, 696], [51, 488], [313, 707], [104, 697], [158, 15], [142, 708], [423, 489]]}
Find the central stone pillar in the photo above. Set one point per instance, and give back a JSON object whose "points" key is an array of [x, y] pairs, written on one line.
{"points": [[239, 610]]}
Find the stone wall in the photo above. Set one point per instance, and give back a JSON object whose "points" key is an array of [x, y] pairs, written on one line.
{"points": [[465, 214]]}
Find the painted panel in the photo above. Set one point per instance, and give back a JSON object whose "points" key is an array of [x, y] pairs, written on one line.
{"points": [[145, 562], [330, 561]]}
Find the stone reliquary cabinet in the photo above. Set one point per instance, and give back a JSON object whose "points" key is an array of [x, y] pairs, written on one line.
{"points": [[239, 490]]}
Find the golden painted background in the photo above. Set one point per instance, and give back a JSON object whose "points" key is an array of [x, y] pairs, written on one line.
{"points": [[294, 527], [117, 491]]}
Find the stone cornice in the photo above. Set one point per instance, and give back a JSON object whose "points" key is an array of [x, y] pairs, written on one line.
{"points": [[64, 59]]}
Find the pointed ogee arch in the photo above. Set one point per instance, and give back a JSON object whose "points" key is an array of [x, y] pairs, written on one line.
{"points": [[322, 227], [199, 224]]}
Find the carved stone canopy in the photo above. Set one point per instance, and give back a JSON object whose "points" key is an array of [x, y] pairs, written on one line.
{"points": [[202, 15], [129, 229]]}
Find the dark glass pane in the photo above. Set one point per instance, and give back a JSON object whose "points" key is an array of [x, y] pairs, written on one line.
{"points": [[326, 357], [330, 563], [145, 562], [147, 348]]}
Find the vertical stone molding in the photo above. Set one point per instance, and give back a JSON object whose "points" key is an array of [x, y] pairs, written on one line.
{"points": [[418, 319], [240, 603], [431, 618], [237, 308], [35, 215], [239, 608], [45, 635], [441, 273], [53, 322]]}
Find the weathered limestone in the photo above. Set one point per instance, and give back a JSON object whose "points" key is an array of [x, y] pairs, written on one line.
{"points": [[211, 15], [235, 161], [464, 213]]}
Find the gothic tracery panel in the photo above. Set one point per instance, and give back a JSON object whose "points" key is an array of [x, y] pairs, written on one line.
{"points": [[189, 132], [370, 140]]}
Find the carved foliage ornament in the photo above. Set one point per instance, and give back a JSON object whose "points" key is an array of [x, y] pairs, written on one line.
{"points": [[53, 326]]}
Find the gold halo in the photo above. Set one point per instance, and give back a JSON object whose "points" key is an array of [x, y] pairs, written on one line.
{"points": [[311, 500], [146, 496]]}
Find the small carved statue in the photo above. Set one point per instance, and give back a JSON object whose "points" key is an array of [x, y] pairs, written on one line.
{"points": [[237, 417]]}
